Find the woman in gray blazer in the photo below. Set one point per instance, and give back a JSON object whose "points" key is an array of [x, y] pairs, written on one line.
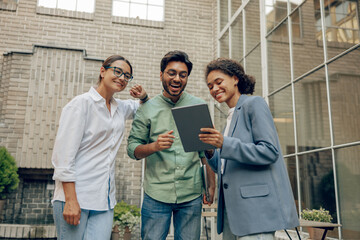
{"points": [[255, 197]]}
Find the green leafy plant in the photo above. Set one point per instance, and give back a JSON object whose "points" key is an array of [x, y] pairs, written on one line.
{"points": [[321, 215], [9, 179], [126, 215]]}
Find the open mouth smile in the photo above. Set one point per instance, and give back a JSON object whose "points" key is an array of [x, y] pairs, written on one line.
{"points": [[219, 95], [175, 87]]}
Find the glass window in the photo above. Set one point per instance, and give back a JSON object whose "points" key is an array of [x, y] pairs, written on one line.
{"points": [[281, 108], [317, 186], [237, 38], [138, 11], [295, 3], [312, 115], [252, 24], [275, 11], [296, 24], [224, 45], [307, 54], [235, 4], [142, 9], [290, 163], [341, 24], [121, 9], [139, 1], [344, 81], [348, 177], [253, 67], [77, 5], [318, 86], [278, 58], [47, 3], [154, 11], [224, 13]]}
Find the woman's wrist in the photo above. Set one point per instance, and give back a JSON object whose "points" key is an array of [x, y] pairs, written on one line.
{"points": [[144, 99]]}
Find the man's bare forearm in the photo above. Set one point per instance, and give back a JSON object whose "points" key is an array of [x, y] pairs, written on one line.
{"points": [[142, 151]]}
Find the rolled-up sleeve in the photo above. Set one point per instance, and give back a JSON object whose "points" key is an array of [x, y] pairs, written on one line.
{"points": [[139, 133], [67, 143]]}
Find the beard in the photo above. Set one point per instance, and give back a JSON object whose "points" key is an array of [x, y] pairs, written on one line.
{"points": [[166, 88]]}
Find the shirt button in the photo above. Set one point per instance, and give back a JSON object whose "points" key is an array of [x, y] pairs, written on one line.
{"points": [[226, 186]]}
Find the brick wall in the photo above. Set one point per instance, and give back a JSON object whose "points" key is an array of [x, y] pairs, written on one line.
{"points": [[31, 204], [36, 81]]}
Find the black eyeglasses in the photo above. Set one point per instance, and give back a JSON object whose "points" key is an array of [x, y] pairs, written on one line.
{"points": [[118, 72], [172, 74]]}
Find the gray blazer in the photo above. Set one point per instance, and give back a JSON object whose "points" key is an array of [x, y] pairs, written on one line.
{"points": [[255, 185]]}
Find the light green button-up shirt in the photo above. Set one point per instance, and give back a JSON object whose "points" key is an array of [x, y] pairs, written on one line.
{"points": [[171, 175]]}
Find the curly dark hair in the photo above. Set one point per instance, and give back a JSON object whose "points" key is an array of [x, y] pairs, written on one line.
{"points": [[246, 84]]}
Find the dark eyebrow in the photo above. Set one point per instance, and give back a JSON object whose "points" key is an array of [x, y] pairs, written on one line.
{"points": [[177, 71], [216, 79]]}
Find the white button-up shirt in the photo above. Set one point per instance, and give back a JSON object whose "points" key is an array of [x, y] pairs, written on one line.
{"points": [[86, 144]]}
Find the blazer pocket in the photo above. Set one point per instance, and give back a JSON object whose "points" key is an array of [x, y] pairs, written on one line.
{"points": [[254, 191]]}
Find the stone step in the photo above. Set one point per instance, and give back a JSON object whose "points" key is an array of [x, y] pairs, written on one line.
{"points": [[27, 231]]}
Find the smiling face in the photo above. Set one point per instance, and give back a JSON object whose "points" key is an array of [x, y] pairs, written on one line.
{"points": [[223, 88], [112, 83], [174, 80]]}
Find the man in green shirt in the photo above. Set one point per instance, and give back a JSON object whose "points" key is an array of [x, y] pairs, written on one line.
{"points": [[173, 181]]}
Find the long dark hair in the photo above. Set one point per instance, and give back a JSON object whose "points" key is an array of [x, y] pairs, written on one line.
{"points": [[112, 59], [246, 84]]}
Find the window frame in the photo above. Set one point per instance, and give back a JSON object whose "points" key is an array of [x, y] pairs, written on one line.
{"points": [[147, 5]]}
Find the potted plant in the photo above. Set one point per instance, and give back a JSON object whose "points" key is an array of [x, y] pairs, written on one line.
{"points": [[9, 179], [126, 217], [317, 215]]}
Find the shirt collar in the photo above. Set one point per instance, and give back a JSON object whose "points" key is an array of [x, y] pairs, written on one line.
{"points": [[97, 97], [168, 100]]}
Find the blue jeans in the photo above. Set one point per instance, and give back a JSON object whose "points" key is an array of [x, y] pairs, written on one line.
{"points": [[93, 224], [156, 217]]}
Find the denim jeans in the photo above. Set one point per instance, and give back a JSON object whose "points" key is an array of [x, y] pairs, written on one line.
{"points": [[227, 234], [156, 218], [93, 224]]}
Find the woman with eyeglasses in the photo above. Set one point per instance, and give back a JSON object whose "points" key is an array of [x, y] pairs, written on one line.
{"points": [[91, 129]]}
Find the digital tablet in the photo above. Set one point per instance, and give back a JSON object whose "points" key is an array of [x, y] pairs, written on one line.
{"points": [[189, 120]]}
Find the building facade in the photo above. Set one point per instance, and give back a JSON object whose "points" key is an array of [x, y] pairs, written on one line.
{"points": [[53, 52], [304, 55]]}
